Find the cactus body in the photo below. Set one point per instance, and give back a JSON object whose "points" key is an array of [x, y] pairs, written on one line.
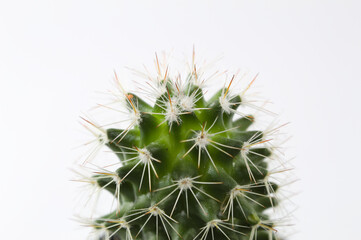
{"points": [[189, 167]]}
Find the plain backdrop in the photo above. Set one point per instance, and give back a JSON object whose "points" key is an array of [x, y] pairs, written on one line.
{"points": [[55, 56]]}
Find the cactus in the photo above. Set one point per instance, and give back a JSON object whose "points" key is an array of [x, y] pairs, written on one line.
{"points": [[189, 167]]}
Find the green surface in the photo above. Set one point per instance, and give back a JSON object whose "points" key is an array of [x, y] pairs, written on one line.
{"points": [[201, 171]]}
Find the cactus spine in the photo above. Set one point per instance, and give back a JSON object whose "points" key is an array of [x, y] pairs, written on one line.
{"points": [[189, 168]]}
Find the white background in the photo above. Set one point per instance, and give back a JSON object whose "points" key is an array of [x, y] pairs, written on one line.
{"points": [[54, 56]]}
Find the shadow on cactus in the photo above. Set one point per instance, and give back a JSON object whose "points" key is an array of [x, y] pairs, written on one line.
{"points": [[190, 167]]}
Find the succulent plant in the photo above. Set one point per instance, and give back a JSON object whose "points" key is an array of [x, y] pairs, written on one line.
{"points": [[189, 167]]}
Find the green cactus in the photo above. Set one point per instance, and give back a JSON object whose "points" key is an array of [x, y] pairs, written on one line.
{"points": [[189, 167]]}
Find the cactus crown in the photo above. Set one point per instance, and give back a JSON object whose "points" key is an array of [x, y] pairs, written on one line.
{"points": [[189, 168]]}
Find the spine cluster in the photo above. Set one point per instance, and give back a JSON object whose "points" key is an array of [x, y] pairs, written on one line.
{"points": [[189, 167]]}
